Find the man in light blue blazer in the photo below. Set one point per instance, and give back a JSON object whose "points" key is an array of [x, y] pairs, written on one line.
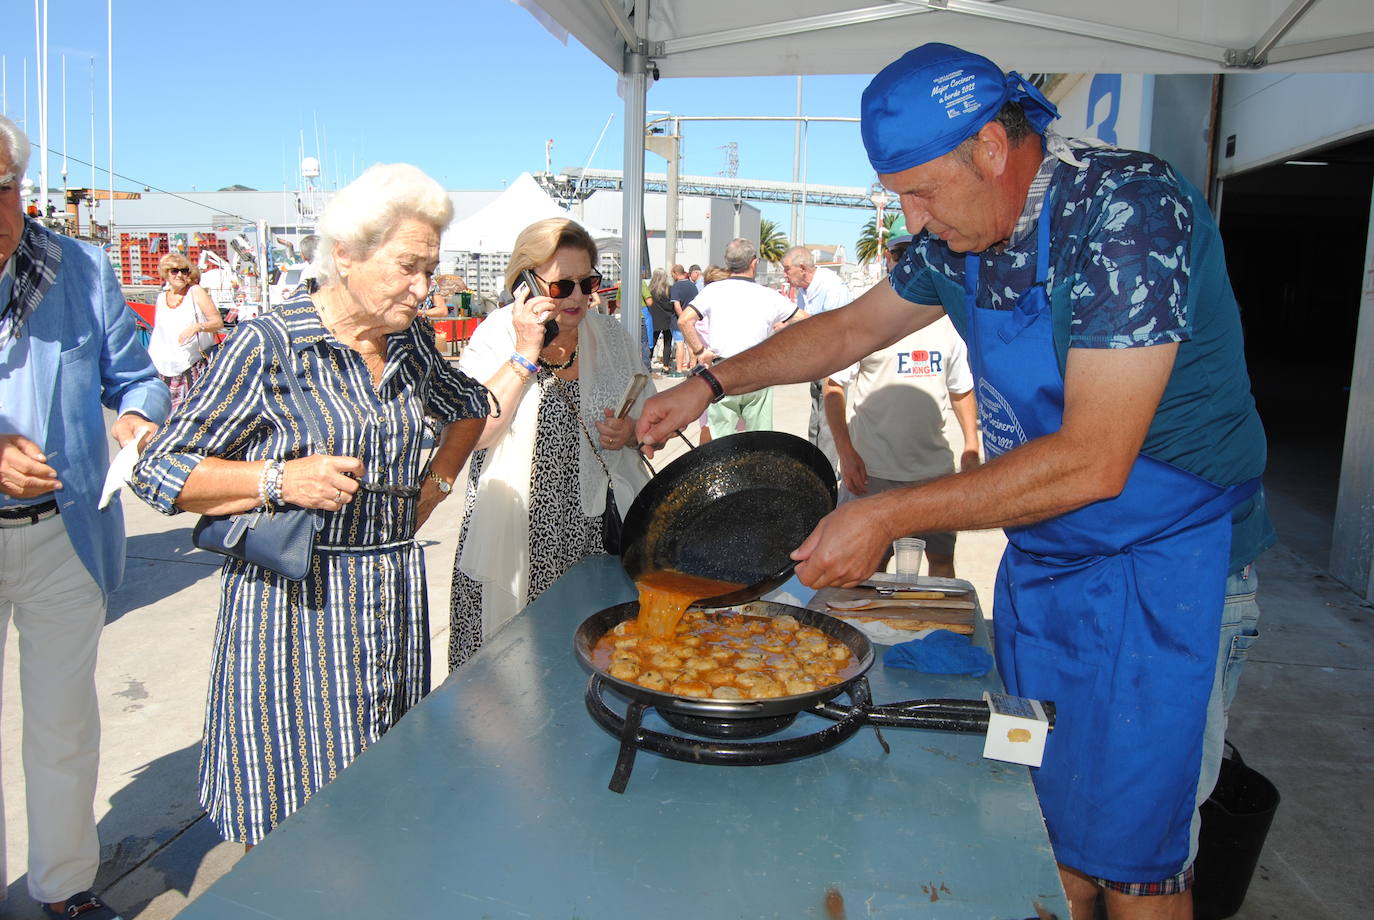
{"points": [[67, 346]]}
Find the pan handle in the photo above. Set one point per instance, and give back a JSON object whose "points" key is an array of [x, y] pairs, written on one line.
{"points": [[639, 448], [632, 392], [750, 592]]}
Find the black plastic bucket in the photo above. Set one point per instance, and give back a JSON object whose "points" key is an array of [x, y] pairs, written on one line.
{"points": [[1235, 821]]}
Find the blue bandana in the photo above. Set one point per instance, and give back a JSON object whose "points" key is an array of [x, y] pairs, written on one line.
{"points": [[935, 97]]}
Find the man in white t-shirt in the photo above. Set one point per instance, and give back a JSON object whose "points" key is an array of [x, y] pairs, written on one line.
{"points": [[894, 416], [740, 313], [818, 290]]}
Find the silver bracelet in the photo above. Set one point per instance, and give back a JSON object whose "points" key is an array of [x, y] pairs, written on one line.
{"points": [[276, 481], [262, 483]]}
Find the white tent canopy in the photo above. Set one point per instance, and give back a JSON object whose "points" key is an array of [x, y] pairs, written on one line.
{"points": [[718, 38], [495, 227], [702, 38]]}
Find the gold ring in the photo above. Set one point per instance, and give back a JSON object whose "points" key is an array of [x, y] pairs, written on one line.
{"points": [[338, 496]]}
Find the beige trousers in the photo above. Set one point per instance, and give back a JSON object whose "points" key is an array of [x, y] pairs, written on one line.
{"points": [[59, 612]]}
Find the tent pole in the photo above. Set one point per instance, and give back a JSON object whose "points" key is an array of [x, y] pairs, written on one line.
{"points": [[636, 82]]}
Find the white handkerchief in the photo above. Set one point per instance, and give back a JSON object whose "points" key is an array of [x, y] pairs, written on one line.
{"points": [[121, 468]]}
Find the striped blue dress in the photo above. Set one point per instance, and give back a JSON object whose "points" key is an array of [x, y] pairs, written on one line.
{"points": [[305, 675]]}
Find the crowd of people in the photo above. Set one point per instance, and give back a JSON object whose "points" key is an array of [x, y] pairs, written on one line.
{"points": [[1094, 358]]}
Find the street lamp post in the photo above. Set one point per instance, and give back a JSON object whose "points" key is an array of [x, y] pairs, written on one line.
{"points": [[880, 199]]}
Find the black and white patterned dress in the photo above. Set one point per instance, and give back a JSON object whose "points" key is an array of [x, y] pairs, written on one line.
{"points": [[560, 534]]}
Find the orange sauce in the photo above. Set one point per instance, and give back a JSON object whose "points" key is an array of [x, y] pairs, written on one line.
{"points": [[726, 654], [665, 596]]}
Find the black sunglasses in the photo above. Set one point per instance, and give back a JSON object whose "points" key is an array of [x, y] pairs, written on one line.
{"points": [[398, 491], [178, 271], [563, 287]]}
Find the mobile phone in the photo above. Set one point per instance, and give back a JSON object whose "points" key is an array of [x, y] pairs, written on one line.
{"points": [[531, 284]]}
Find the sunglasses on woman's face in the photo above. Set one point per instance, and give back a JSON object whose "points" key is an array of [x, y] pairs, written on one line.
{"points": [[178, 271], [563, 287]]}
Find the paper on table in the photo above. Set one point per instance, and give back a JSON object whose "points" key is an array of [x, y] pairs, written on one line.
{"points": [[884, 634], [121, 468]]}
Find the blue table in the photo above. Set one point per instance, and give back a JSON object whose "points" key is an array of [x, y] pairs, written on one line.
{"points": [[489, 800]]}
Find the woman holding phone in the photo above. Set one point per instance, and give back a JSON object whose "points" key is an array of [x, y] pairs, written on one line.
{"points": [[536, 489]]}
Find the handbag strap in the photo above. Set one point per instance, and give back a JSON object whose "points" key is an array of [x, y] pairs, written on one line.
{"points": [[278, 343], [558, 385]]}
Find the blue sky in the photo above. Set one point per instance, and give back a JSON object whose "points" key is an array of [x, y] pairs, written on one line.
{"points": [[469, 91]]}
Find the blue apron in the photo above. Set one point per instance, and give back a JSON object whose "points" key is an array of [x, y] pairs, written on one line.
{"points": [[1112, 611]]}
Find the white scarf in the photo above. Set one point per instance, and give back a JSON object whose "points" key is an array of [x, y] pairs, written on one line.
{"points": [[496, 551]]}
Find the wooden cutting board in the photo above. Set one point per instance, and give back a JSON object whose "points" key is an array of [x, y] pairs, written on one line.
{"points": [[955, 614]]}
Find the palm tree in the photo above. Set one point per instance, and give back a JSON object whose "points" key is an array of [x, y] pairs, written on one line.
{"points": [[869, 248], [772, 244]]}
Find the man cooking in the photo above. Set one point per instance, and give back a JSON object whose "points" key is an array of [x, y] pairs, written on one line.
{"points": [[1123, 448]]}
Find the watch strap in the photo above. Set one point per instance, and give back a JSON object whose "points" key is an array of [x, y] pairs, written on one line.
{"points": [[717, 390]]}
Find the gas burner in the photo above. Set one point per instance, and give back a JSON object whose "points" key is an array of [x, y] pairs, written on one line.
{"points": [[724, 740], [720, 737]]}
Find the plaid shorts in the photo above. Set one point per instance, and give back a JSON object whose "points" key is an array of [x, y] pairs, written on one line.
{"points": [[1175, 885]]}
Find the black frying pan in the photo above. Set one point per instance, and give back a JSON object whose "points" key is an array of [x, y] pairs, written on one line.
{"points": [[732, 509], [598, 624]]}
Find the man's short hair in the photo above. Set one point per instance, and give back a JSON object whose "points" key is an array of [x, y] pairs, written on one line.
{"points": [[1013, 120], [16, 147], [799, 256], [739, 254], [694, 268], [678, 271]]}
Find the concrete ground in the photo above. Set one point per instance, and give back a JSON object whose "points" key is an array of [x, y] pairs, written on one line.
{"points": [[1302, 716]]}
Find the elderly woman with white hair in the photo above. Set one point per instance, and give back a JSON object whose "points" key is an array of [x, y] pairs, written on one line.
{"points": [[306, 674]]}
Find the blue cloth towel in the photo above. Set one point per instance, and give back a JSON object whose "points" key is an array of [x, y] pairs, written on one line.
{"points": [[941, 652]]}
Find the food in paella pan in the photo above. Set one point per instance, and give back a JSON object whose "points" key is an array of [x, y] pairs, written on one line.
{"points": [[726, 656]]}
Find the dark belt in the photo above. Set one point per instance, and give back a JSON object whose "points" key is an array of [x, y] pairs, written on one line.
{"points": [[28, 514]]}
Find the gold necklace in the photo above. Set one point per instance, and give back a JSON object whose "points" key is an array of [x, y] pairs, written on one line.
{"points": [[560, 367]]}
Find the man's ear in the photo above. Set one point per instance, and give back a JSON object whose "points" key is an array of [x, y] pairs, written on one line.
{"points": [[993, 149]]}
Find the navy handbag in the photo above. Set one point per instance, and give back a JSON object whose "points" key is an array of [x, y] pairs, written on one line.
{"points": [[281, 540]]}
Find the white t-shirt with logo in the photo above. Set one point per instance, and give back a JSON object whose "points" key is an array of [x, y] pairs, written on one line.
{"points": [[898, 408], [740, 313]]}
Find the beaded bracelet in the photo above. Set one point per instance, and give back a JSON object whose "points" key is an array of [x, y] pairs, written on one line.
{"points": [[520, 360], [276, 474], [262, 483]]}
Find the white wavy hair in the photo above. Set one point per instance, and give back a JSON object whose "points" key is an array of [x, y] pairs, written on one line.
{"points": [[15, 145], [364, 214]]}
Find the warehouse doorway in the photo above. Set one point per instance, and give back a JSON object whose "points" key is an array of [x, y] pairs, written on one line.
{"points": [[1295, 235]]}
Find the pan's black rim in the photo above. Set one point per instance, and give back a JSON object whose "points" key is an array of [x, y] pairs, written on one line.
{"points": [[799, 456]]}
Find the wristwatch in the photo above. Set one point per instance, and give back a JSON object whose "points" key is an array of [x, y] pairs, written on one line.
{"points": [[445, 487]]}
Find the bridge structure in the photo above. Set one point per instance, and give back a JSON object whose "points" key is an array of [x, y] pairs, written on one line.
{"points": [[575, 185]]}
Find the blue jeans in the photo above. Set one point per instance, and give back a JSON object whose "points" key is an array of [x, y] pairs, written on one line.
{"points": [[1239, 630], [646, 342]]}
